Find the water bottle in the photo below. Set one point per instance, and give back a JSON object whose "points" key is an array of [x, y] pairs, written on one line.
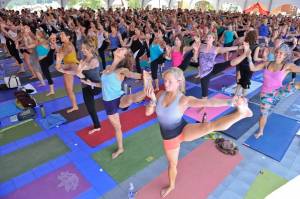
{"points": [[129, 89], [131, 192], [43, 113], [223, 89], [125, 88]]}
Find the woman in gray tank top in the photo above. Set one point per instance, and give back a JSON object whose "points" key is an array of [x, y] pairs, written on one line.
{"points": [[170, 106]]}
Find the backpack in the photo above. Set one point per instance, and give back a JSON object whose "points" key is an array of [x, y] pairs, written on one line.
{"points": [[226, 146], [24, 100]]}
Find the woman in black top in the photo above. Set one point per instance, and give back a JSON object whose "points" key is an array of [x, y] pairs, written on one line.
{"points": [[89, 73]]}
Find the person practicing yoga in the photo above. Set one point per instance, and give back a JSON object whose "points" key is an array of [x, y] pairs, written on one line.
{"points": [[114, 97], [170, 106], [207, 55], [67, 54], [274, 73]]}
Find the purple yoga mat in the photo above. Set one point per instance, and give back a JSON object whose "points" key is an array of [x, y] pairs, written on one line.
{"points": [[64, 183], [224, 80]]}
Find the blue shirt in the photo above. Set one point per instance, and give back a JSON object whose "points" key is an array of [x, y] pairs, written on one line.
{"points": [[111, 86], [155, 51]]}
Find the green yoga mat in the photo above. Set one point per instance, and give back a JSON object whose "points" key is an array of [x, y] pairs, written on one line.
{"points": [[265, 183], [18, 131], [59, 93], [20, 161], [141, 149]]}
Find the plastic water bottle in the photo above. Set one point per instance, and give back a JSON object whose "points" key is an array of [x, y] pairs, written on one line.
{"points": [[43, 113], [125, 88], [129, 89], [131, 192], [223, 89]]}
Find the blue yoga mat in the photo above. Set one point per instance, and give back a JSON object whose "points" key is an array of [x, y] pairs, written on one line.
{"points": [[6, 95], [196, 92], [52, 121], [278, 135], [8, 109], [241, 127], [222, 81]]}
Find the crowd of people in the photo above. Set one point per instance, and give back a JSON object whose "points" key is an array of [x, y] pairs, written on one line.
{"points": [[76, 40]]}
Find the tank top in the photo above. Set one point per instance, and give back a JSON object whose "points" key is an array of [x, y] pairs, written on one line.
{"points": [[272, 80], [71, 58], [41, 51], [155, 51], [169, 117], [177, 58], [206, 61], [111, 86], [114, 42], [263, 30], [228, 37]]}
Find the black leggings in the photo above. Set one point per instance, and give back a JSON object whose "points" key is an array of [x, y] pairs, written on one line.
{"points": [[137, 60], [186, 60], [45, 63], [205, 80], [154, 65], [11, 46], [88, 97], [297, 62], [101, 52]]}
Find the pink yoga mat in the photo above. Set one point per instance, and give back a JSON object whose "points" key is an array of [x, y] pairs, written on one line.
{"points": [[199, 173], [64, 183], [196, 114]]}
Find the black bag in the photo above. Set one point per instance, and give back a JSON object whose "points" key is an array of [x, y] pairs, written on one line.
{"points": [[226, 146], [25, 99], [28, 113]]}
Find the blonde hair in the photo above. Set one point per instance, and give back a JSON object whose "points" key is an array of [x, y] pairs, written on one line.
{"points": [[178, 74]]}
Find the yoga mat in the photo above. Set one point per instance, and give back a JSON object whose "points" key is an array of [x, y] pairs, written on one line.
{"points": [[8, 109], [22, 160], [265, 183], [82, 112], [18, 131], [52, 121], [289, 190], [6, 95], [196, 92], [199, 173], [129, 120], [222, 81], [59, 93], [242, 126], [278, 135], [294, 110], [255, 99], [141, 149], [212, 112], [63, 183], [253, 87]]}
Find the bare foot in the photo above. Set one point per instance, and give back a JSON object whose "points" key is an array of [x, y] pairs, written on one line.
{"points": [[197, 76], [20, 71], [41, 85], [50, 93], [244, 109], [72, 109], [297, 86], [93, 131], [32, 77], [165, 191], [117, 153], [258, 134]]}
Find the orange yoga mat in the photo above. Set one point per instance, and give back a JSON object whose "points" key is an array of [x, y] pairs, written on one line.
{"points": [[199, 173], [129, 120]]}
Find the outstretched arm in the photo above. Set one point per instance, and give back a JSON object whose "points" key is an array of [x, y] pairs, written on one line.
{"points": [[194, 102]]}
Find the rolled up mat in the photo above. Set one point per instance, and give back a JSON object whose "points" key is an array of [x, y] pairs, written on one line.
{"points": [[211, 112], [278, 135], [222, 81], [63, 183], [199, 173], [8, 109], [81, 112], [59, 93], [264, 184], [242, 126], [196, 92], [129, 120], [22, 160], [18, 131], [141, 149]]}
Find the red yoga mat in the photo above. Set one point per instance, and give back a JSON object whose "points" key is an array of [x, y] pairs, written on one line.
{"points": [[129, 120], [199, 173]]}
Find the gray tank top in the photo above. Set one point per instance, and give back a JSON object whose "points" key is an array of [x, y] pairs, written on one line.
{"points": [[169, 117]]}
